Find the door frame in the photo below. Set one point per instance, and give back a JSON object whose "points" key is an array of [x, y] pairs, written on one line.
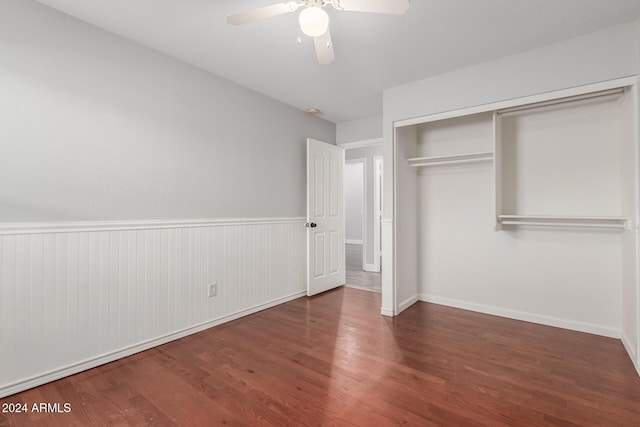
{"points": [[378, 173], [377, 250]]}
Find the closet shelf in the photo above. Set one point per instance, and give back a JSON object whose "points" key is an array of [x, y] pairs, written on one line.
{"points": [[447, 160], [565, 221]]}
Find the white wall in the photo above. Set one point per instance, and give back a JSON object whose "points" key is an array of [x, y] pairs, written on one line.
{"points": [[359, 130], [595, 57], [354, 200], [96, 128]]}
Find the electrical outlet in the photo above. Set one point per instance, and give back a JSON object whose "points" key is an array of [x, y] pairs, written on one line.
{"points": [[213, 288]]}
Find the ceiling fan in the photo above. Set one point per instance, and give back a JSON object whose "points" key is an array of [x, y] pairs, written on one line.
{"points": [[314, 22]]}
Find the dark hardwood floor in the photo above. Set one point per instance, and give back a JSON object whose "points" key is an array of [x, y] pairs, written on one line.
{"points": [[333, 360], [356, 277]]}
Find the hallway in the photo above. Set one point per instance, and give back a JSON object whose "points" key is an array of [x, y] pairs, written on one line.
{"points": [[356, 277]]}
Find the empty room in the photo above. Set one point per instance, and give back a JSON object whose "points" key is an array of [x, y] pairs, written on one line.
{"points": [[320, 212]]}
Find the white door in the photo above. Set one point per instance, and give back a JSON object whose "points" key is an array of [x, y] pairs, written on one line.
{"points": [[325, 217]]}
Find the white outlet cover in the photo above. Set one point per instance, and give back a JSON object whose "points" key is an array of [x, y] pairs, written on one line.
{"points": [[213, 288]]}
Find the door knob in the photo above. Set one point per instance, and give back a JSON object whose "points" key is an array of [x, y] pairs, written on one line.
{"points": [[312, 225]]}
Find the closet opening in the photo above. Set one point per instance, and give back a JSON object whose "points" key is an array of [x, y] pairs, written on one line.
{"points": [[526, 209]]}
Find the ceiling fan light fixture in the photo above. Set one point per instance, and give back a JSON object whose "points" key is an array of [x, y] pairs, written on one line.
{"points": [[314, 21]]}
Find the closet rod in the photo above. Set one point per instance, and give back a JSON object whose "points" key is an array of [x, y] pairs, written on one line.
{"points": [[611, 93]]}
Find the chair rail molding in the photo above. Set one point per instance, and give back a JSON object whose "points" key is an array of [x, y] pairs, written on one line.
{"points": [[15, 228]]}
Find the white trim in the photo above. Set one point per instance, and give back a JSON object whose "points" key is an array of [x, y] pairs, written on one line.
{"points": [[627, 346], [516, 102], [355, 160], [55, 374], [544, 105], [363, 288], [386, 312], [353, 241], [497, 170], [573, 325], [630, 351], [636, 216], [9, 228], [365, 208], [408, 303], [378, 174], [388, 290], [371, 268], [360, 144], [391, 250]]}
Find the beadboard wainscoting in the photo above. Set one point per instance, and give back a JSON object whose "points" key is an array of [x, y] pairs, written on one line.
{"points": [[77, 295]]}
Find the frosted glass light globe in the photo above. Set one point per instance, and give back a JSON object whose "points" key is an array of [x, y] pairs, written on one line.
{"points": [[314, 21]]}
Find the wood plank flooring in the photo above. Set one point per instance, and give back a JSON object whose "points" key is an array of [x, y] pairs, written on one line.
{"points": [[333, 360], [356, 277]]}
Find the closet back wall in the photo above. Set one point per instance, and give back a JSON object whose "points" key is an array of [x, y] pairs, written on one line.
{"points": [[96, 128], [564, 277]]}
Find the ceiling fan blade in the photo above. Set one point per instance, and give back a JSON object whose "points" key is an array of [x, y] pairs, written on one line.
{"points": [[324, 48], [392, 7], [262, 13]]}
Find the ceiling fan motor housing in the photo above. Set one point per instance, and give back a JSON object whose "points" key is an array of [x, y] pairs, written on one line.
{"points": [[315, 3]]}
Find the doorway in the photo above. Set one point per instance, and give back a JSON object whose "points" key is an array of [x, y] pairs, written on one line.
{"points": [[363, 201]]}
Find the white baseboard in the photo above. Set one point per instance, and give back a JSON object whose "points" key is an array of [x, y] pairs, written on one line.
{"points": [[386, 312], [527, 317], [352, 242], [363, 288], [407, 303], [371, 268], [631, 351], [75, 368], [627, 346]]}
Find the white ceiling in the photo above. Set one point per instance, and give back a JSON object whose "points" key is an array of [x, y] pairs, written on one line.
{"points": [[373, 52]]}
